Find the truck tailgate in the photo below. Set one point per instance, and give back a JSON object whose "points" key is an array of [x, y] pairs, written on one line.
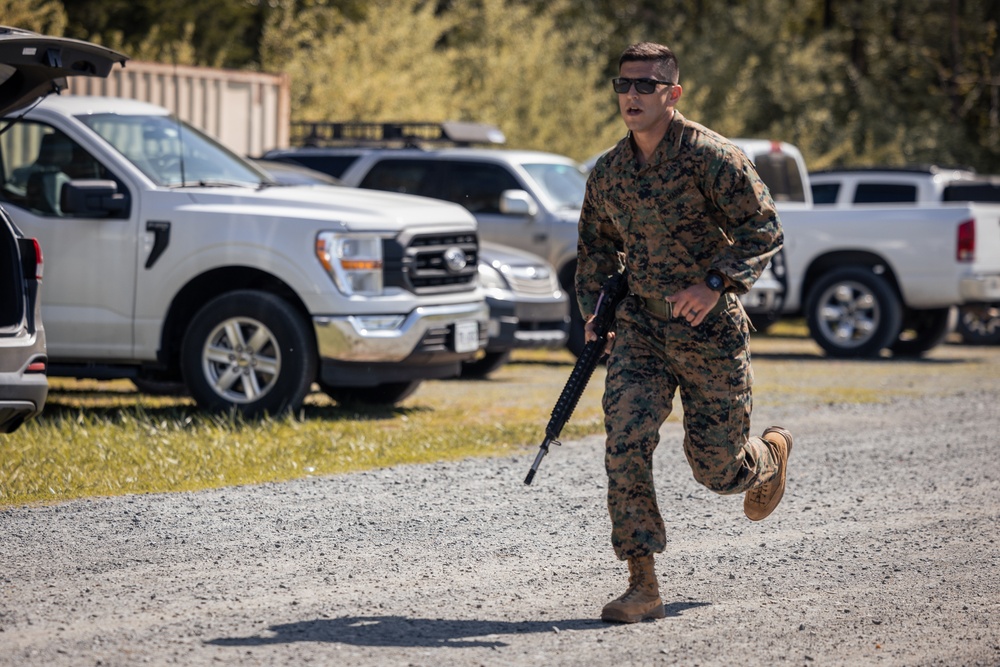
{"points": [[987, 217], [983, 283]]}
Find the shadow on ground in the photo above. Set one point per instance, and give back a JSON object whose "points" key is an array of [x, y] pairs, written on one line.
{"points": [[401, 631]]}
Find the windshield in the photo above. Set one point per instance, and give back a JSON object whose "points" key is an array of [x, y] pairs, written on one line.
{"points": [[172, 153], [563, 183]]}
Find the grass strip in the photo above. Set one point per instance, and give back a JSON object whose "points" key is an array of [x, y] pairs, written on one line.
{"points": [[106, 438]]}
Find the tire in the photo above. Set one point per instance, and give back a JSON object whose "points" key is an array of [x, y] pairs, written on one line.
{"points": [[386, 394], [853, 312], [488, 363], [249, 351], [979, 324], [922, 330]]}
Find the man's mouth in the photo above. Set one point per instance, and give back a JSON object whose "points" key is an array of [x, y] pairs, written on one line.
{"points": [[633, 111]]}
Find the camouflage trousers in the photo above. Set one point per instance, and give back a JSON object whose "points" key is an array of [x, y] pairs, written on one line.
{"points": [[652, 358]]}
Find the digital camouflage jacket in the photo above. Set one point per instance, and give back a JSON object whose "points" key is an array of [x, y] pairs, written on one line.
{"points": [[698, 205]]}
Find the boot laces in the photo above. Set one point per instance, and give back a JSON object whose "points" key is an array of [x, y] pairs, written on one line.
{"points": [[629, 594], [758, 494]]}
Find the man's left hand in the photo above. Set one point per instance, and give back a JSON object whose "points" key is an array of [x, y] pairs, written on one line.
{"points": [[694, 303]]}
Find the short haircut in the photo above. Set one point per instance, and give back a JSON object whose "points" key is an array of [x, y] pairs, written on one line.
{"points": [[666, 62]]}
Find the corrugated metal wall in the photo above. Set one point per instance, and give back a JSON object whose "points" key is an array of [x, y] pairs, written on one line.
{"points": [[247, 111]]}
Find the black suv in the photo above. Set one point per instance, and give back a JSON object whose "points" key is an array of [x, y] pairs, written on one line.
{"points": [[31, 66]]}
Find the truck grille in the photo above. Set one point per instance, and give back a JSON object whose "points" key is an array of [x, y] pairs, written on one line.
{"points": [[432, 263]]}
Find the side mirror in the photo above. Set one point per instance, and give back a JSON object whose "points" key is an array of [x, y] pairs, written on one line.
{"points": [[517, 202], [93, 199]]}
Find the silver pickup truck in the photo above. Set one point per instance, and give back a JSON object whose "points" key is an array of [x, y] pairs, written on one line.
{"points": [[168, 258]]}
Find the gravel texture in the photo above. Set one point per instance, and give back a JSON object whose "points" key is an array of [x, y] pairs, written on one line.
{"points": [[883, 552]]}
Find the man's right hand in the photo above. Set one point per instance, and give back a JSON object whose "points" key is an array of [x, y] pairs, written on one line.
{"points": [[589, 335]]}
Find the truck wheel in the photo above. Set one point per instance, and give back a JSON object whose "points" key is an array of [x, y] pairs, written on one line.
{"points": [[249, 351], [389, 393], [979, 324], [923, 330], [853, 312], [490, 362]]}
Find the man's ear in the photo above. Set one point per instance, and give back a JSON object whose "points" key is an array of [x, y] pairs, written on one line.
{"points": [[675, 94]]}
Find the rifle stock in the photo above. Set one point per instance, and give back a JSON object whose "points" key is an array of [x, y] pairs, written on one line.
{"points": [[613, 291]]}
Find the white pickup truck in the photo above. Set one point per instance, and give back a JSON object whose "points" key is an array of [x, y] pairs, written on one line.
{"points": [[978, 323], [877, 276], [169, 259]]}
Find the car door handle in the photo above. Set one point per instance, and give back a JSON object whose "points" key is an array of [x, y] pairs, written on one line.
{"points": [[161, 239]]}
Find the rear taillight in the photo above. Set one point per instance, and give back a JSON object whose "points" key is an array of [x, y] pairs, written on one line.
{"points": [[36, 367], [31, 258], [965, 250], [38, 260]]}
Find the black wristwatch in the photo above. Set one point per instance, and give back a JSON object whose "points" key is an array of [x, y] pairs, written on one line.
{"points": [[715, 282]]}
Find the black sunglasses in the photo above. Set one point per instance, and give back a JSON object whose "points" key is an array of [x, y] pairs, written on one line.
{"points": [[642, 86]]}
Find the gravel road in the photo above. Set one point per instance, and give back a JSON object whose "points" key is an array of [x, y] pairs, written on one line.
{"points": [[883, 552]]}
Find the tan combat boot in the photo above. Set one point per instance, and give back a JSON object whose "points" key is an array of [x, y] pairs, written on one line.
{"points": [[642, 599], [760, 501]]}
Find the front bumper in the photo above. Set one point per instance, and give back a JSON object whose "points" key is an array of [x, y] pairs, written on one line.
{"points": [[422, 347], [427, 329], [527, 323]]}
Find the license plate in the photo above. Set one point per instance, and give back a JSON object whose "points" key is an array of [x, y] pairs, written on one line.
{"points": [[466, 336]]}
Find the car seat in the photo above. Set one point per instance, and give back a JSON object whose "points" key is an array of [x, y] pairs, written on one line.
{"points": [[44, 186]]}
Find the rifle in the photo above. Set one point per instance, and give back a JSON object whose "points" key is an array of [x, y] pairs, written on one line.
{"points": [[612, 293]]}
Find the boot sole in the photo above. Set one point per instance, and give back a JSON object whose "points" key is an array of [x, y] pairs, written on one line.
{"points": [[616, 616]]}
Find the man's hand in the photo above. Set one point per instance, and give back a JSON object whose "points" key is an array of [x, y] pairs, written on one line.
{"points": [[694, 303], [589, 335]]}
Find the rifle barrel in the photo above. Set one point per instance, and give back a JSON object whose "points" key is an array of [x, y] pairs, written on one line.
{"points": [[543, 449]]}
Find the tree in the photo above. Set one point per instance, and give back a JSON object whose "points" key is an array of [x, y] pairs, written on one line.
{"points": [[537, 78], [223, 33], [384, 65], [494, 61], [851, 82], [46, 17]]}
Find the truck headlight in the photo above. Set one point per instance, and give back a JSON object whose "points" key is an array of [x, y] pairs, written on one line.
{"points": [[491, 279], [354, 261]]}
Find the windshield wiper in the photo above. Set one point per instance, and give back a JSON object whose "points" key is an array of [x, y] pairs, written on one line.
{"points": [[215, 183]]}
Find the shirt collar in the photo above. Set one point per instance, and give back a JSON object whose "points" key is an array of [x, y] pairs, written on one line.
{"points": [[666, 150]]}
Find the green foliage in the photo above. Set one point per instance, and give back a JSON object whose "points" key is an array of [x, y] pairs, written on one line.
{"points": [[153, 47], [534, 78], [494, 61], [222, 33], [387, 66], [46, 17], [850, 82], [864, 83]]}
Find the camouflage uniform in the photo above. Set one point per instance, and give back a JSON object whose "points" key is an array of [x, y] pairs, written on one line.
{"points": [[697, 205]]}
